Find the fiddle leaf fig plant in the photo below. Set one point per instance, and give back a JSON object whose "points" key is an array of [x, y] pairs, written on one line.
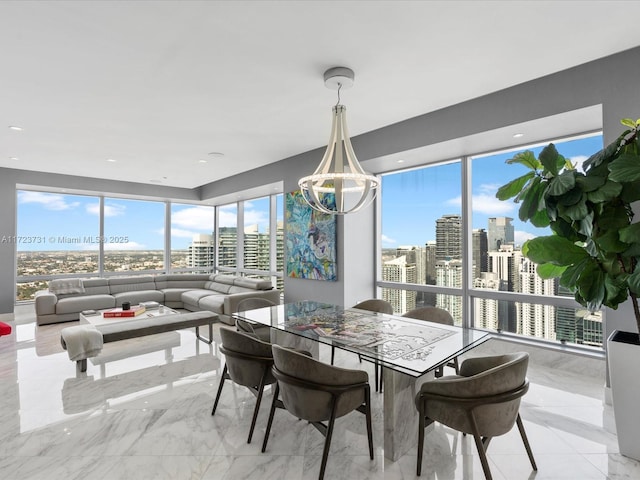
{"points": [[594, 248]]}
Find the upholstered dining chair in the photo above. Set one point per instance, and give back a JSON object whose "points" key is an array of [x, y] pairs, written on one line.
{"points": [[484, 401], [317, 392], [379, 306], [248, 362], [263, 332], [436, 315]]}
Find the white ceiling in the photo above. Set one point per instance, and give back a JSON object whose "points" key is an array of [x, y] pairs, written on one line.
{"points": [[158, 85]]}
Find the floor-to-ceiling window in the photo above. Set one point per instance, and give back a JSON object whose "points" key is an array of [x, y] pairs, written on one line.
{"points": [[80, 235], [435, 236], [133, 238]]}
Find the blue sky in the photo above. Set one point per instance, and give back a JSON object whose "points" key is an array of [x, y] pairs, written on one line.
{"points": [[412, 201]]}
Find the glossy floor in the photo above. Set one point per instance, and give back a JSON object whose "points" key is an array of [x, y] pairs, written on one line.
{"points": [[144, 412]]}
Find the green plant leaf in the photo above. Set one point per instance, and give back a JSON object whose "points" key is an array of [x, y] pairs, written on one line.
{"points": [[630, 234], [610, 241], [551, 159], [634, 281], [562, 183], [570, 276], [605, 154], [625, 168], [630, 192], [627, 122], [613, 217], [590, 286], [589, 184], [514, 187], [585, 225], [553, 249], [540, 219], [574, 212], [572, 197], [615, 291], [564, 229], [606, 192], [526, 158], [548, 270], [531, 199]]}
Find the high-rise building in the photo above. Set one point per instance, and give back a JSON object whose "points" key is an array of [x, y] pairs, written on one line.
{"points": [[486, 310], [227, 246], [501, 232], [202, 251], [449, 274], [398, 270], [479, 249], [534, 319], [449, 237], [506, 263], [430, 262]]}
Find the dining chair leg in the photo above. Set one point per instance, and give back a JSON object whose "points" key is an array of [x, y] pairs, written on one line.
{"points": [[526, 442], [333, 353], [225, 375], [421, 428], [271, 413], [367, 399], [257, 407], [327, 441], [480, 446], [375, 373]]}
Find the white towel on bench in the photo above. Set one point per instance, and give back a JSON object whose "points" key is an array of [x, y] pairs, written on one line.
{"points": [[82, 341]]}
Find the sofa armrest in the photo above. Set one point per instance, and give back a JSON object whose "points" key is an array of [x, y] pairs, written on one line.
{"points": [[46, 302], [231, 301]]}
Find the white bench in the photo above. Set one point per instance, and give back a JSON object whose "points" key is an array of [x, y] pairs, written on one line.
{"points": [[148, 326]]}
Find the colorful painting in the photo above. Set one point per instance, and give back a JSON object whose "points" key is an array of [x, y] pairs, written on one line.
{"points": [[310, 237]]}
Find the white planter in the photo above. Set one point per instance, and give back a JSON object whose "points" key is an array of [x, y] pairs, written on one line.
{"points": [[623, 351]]}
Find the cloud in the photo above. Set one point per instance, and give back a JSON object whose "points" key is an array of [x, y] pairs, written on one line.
{"points": [[578, 161], [485, 203], [252, 217], [50, 201], [110, 210], [520, 236], [196, 218], [388, 242], [115, 246], [227, 218]]}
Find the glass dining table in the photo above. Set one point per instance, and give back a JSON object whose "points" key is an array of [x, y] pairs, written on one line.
{"points": [[408, 350]]}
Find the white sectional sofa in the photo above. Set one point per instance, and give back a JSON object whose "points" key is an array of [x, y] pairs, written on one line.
{"points": [[218, 293]]}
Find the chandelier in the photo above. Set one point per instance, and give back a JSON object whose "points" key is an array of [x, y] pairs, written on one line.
{"points": [[339, 185]]}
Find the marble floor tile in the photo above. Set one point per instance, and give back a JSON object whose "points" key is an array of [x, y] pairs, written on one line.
{"points": [[143, 411]]}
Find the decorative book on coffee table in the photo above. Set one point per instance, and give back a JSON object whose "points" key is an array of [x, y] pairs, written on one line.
{"points": [[134, 311]]}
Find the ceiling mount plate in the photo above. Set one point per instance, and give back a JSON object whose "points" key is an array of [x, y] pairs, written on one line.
{"points": [[339, 76]]}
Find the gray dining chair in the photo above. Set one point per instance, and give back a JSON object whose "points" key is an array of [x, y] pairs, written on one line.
{"points": [[248, 362], [317, 392], [436, 315], [263, 332], [484, 401], [379, 306]]}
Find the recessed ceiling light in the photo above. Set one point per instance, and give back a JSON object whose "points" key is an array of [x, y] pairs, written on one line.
{"points": [[400, 161], [14, 158], [216, 154], [15, 128], [202, 161], [518, 135], [111, 160]]}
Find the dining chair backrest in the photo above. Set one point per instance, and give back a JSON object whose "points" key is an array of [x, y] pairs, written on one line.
{"points": [[375, 305], [246, 358], [430, 314]]}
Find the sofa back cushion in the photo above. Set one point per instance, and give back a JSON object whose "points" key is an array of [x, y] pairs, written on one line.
{"points": [[187, 280], [90, 286], [131, 284], [218, 287], [253, 283]]}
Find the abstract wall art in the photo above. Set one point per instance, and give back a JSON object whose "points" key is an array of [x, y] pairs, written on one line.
{"points": [[310, 238]]}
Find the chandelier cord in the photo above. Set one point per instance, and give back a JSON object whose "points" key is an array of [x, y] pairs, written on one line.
{"points": [[339, 87]]}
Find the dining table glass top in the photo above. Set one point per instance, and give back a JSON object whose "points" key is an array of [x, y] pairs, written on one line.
{"points": [[410, 346]]}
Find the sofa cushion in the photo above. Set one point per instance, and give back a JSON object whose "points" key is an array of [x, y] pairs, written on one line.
{"points": [[187, 280], [174, 294], [131, 284], [224, 279], [218, 287], [192, 297], [138, 296], [84, 302], [213, 303], [235, 289], [66, 286], [253, 283]]}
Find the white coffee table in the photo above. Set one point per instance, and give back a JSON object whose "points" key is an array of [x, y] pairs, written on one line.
{"points": [[98, 318]]}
